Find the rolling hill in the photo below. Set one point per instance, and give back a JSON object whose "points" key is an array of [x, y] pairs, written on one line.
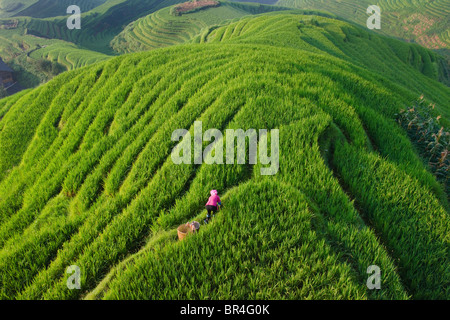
{"points": [[100, 25], [68, 55], [42, 33], [380, 54], [121, 26], [43, 8], [23, 51], [87, 179], [423, 21], [9, 8], [162, 29]]}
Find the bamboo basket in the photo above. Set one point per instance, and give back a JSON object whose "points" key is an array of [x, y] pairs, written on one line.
{"points": [[184, 229]]}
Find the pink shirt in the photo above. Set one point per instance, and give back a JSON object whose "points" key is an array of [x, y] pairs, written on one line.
{"points": [[213, 200]]}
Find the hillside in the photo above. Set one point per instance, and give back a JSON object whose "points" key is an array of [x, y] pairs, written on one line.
{"points": [[100, 25], [425, 22], [24, 52], [43, 8], [162, 28], [387, 57], [122, 26], [87, 179], [9, 8], [68, 55], [25, 41]]}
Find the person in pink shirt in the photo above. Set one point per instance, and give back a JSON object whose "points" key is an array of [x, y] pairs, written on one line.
{"points": [[211, 205]]}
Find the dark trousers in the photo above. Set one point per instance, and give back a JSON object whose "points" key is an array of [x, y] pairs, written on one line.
{"points": [[210, 209]]}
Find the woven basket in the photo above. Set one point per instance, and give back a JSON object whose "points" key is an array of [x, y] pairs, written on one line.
{"points": [[184, 229]]}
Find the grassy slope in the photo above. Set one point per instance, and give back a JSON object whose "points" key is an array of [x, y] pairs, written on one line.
{"points": [[21, 50], [424, 21], [161, 29], [87, 179], [105, 22], [43, 8], [69, 55], [9, 8], [35, 39], [99, 25], [381, 55], [49, 38], [54, 8]]}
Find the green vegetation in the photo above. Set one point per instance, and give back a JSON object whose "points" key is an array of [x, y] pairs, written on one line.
{"points": [[124, 26], [424, 21], [9, 8], [220, 262], [23, 51], [43, 8], [86, 176], [54, 8], [382, 55], [395, 204], [23, 40], [68, 55], [162, 29], [99, 25]]}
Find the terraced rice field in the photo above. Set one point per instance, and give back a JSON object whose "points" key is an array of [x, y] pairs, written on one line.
{"points": [[21, 50], [9, 8], [159, 29], [54, 8], [381, 55], [162, 29], [86, 176], [398, 17], [69, 55], [100, 25]]}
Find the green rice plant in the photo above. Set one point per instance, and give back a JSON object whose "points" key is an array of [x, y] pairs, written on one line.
{"points": [[416, 21], [389, 198], [93, 183], [243, 254]]}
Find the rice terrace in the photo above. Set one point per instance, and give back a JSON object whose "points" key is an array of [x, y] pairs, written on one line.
{"points": [[224, 150]]}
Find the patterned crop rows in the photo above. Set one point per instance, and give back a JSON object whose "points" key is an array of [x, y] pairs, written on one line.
{"points": [[86, 176]]}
